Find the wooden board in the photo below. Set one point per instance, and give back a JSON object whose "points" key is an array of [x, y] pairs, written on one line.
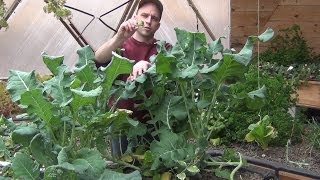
{"points": [[277, 14], [300, 2], [296, 14], [309, 94], [252, 5], [291, 176]]}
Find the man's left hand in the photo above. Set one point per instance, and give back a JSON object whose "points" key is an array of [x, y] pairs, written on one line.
{"points": [[139, 68]]}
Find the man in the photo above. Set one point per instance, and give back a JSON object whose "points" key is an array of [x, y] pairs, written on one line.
{"points": [[138, 42], [136, 39]]}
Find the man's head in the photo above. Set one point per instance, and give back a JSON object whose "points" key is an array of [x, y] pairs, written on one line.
{"points": [[155, 2], [150, 12]]}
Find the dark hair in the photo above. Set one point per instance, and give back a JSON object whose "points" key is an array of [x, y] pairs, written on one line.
{"points": [[155, 2]]}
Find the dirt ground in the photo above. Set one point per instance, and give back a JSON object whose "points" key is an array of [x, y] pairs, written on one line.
{"points": [[301, 156]]}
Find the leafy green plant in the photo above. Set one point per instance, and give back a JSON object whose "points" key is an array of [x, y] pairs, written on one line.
{"points": [[7, 107], [313, 134], [290, 54], [70, 119], [288, 47], [261, 132], [3, 22], [57, 8], [52, 6], [187, 86], [278, 100]]}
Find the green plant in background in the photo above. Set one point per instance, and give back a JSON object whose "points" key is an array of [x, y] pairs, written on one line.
{"points": [[290, 55], [3, 22], [53, 6], [70, 119], [288, 48], [57, 8], [314, 134], [187, 87], [262, 132], [7, 147], [7, 107], [277, 102]]}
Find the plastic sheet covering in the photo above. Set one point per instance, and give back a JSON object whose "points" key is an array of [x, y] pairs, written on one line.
{"points": [[31, 31]]}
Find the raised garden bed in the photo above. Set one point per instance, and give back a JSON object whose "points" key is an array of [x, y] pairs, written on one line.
{"points": [[309, 94]]}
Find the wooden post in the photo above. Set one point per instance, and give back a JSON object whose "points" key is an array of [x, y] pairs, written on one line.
{"points": [[195, 9]]}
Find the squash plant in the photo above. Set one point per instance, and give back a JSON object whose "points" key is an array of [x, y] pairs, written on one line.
{"points": [[187, 83], [70, 118]]}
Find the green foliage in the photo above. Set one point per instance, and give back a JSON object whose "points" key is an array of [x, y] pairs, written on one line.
{"points": [[262, 132], [313, 134], [57, 7], [276, 104], [188, 86], [7, 107], [170, 149], [135, 175], [3, 11], [69, 117], [290, 50], [24, 167], [288, 47], [52, 6]]}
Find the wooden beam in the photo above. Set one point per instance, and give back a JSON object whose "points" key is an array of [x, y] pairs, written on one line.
{"points": [[128, 12], [205, 25]]}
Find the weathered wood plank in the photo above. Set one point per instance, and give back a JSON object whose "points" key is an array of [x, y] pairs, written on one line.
{"points": [[296, 13], [309, 94], [239, 41], [309, 29], [252, 5], [300, 2], [277, 14], [249, 18], [238, 31]]}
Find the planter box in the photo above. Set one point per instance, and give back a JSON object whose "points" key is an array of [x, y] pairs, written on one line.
{"points": [[309, 94], [272, 170]]}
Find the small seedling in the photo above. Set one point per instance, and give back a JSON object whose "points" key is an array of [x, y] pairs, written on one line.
{"points": [[140, 23]]}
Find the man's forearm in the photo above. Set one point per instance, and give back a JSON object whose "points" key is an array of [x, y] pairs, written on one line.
{"points": [[104, 53]]}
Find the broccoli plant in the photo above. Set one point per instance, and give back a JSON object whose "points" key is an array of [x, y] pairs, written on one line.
{"points": [[182, 90], [69, 116]]}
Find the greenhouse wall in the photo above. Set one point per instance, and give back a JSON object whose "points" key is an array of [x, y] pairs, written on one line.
{"points": [[31, 31], [277, 14]]}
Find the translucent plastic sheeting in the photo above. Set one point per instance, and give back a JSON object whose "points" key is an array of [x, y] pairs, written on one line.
{"points": [[31, 31]]}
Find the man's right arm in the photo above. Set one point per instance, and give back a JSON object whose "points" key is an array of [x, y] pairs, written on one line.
{"points": [[104, 53], [126, 30]]}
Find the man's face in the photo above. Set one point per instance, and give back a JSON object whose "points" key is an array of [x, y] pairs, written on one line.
{"points": [[150, 15]]}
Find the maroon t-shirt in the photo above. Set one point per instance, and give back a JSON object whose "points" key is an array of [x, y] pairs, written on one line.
{"points": [[137, 51]]}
